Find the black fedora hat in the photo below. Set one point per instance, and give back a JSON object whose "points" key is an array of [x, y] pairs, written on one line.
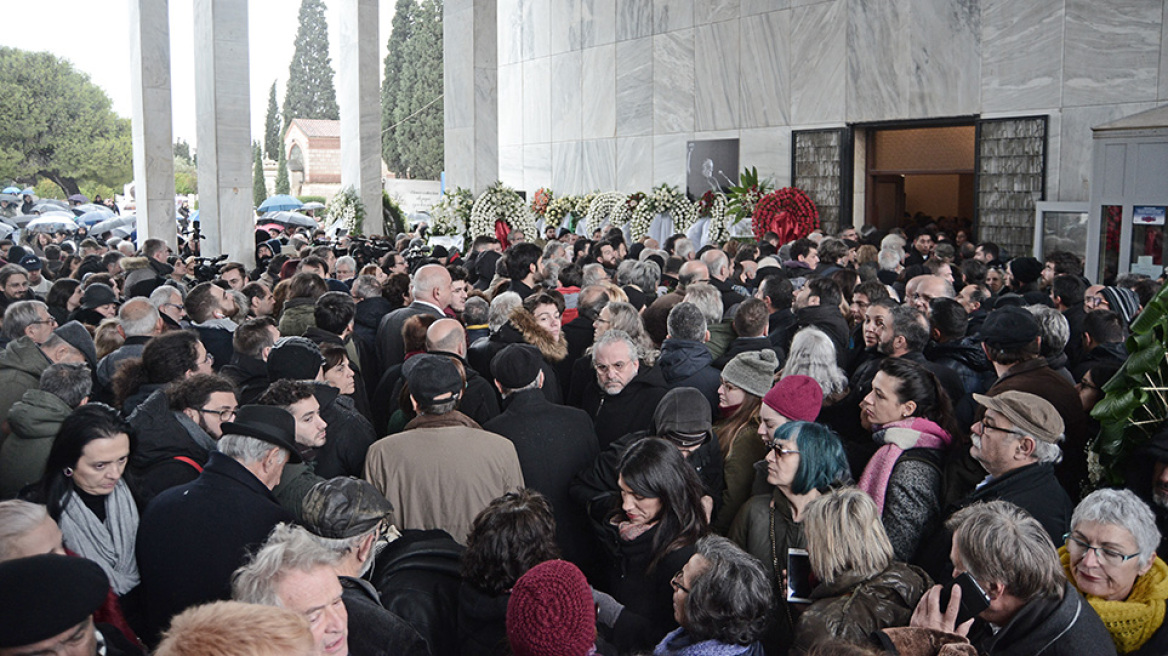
{"points": [[268, 423]]}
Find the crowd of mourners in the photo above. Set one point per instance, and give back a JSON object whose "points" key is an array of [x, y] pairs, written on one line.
{"points": [[843, 445]]}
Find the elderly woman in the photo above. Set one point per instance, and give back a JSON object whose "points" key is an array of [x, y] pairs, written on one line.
{"points": [[509, 537], [813, 354], [721, 600], [861, 589], [1110, 557], [87, 496]]}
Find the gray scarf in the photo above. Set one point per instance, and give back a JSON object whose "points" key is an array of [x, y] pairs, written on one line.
{"points": [[109, 544], [196, 432]]}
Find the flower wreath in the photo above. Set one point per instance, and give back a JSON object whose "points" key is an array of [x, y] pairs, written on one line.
{"points": [[558, 209], [788, 212], [500, 203], [609, 205], [449, 216], [664, 199], [540, 201], [713, 205]]}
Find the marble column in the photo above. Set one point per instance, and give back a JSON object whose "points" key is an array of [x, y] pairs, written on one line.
{"points": [[224, 129], [471, 102], [360, 100], [151, 125]]}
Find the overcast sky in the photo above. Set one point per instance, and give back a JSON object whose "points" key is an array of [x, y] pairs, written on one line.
{"points": [[94, 36]]}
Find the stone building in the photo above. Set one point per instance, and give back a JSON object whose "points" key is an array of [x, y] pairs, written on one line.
{"points": [[313, 150]]}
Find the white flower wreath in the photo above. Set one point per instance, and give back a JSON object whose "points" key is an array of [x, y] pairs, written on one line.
{"points": [[608, 205], [449, 216], [558, 210], [500, 203], [347, 209], [664, 199], [719, 226]]}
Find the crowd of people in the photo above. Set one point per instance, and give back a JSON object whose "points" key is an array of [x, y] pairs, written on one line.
{"points": [[844, 444]]}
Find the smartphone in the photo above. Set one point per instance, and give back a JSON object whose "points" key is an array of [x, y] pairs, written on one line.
{"points": [[798, 576], [973, 598]]}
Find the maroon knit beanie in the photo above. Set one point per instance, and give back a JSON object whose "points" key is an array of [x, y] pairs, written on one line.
{"points": [[551, 612], [797, 398]]}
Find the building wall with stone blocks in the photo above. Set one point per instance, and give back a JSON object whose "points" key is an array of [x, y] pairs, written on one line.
{"points": [[604, 94]]}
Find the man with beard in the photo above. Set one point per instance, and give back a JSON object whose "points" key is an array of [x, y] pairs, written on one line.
{"points": [[525, 268]]}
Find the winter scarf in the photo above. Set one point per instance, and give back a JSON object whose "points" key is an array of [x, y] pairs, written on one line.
{"points": [[897, 437], [679, 643], [109, 544], [534, 334], [1133, 621]]}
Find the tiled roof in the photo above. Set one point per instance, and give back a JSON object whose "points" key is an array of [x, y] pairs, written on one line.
{"points": [[315, 127]]}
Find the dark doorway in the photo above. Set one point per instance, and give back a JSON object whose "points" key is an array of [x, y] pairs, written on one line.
{"points": [[917, 175]]}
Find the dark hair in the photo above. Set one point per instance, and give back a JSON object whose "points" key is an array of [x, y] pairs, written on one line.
{"points": [[991, 249], [827, 290], [396, 289], [974, 271], [516, 532], [60, 292], [92, 421], [520, 257], [873, 289], [414, 332], [831, 250], [285, 392], [166, 358], [252, 336], [314, 261], [779, 290], [654, 468], [1069, 289], [457, 272], [948, 317], [916, 383], [306, 285], [193, 391], [751, 318], [1065, 263], [847, 280], [549, 297], [801, 247], [199, 302], [906, 322], [334, 311], [731, 600], [1104, 327], [254, 290], [333, 355]]}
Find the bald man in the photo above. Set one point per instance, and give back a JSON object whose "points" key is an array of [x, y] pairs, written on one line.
{"points": [[479, 400], [921, 290], [431, 291]]}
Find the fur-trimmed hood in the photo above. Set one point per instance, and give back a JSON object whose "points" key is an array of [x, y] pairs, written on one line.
{"points": [[134, 263], [534, 334]]}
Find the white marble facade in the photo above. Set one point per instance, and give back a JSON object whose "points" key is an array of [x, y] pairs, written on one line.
{"points": [[604, 94]]}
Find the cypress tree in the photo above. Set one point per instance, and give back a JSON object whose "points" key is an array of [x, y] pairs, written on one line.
{"points": [[402, 28], [310, 92], [272, 126], [259, 191], [418, 114], [282, 185]]}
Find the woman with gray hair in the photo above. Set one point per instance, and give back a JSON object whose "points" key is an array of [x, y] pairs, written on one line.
{"points": [[721, 600], [1110, 557], [862, 589]]}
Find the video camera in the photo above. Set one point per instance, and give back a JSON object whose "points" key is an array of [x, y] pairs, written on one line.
{"points": [[207, 269]]}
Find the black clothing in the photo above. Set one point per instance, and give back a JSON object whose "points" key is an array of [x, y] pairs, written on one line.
{"points": [[390, 348], [482, 622], [646, 595], [250, 376], [688, 363], [830, 321], [162, 440], [418, 578], [347, 437], [480, 354], [742, 345], [1074, 348], [370, 312], [374, 631], [730, 298], [1048, 627], [520, 288], [1114, 352], [631, 409], [218, 342]]}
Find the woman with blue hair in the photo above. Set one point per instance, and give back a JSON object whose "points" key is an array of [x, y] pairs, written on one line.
{"points": [[804, 461]]}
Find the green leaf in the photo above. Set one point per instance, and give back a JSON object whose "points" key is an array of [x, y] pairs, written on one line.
{"points": [[1116, 407], [1153, 314], [1145, 360], [1110, 440]]}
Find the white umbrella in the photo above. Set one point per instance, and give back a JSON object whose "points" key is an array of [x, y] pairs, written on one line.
{"points": [[109, 225], [314, 205], [291, 219], [52, 222], [6, 230]]}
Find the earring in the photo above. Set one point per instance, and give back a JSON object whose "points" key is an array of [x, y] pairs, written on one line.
{"points": [[68, 472]]}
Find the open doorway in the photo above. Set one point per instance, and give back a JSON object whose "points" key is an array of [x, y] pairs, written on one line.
{"points": [[919, 175]]}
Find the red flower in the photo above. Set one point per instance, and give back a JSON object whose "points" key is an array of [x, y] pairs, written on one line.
{"points": [[787, 212]]}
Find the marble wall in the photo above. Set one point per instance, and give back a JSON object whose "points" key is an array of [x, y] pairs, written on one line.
{"points": [[604, 94]]}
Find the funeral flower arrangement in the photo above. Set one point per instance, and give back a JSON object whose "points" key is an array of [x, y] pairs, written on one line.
{"points": [[713, 205], [450, 215], [540, 201], [500, 204], [609, 205], [663, 199], [558, 209], [788, 212], [743, 198], [347, 209]]}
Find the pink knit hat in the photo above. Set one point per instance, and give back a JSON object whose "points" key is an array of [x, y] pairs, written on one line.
{"points": [[797, 398], [551, 612]]}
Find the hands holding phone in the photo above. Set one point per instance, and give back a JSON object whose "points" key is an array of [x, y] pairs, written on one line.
{"points": [[929, 615]]}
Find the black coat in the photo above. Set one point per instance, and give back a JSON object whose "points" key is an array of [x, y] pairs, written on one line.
{"points": [[193, 537], [370, 312], [374, 631], [742, 345], [553, 443], [250, 376], [614, 415], [347, 438], [687, 363], [830, 321], [730, 298], [482, 622], [218, 343], [418, 578], [162, 440], [646, 595], [480, 354], [1048, 627], [480, 399], [390, 348]]}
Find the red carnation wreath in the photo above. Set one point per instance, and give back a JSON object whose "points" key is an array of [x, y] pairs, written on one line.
{"points": [[788, 212]]}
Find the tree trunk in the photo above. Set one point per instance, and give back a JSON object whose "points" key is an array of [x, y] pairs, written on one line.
{"points": [[68, 185]]}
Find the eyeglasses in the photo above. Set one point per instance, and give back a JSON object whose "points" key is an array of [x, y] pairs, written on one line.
{"points": [[1094, 301], [676, 583], [773, 445], [51, 321], [1109, 557], [210, 359], [175, 306], [224, 415], [1011, 431]]}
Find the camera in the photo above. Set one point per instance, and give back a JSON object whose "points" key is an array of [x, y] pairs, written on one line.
{"points": [[207, 269]]}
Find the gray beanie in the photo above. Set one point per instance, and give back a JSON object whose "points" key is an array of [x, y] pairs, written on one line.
{"points": [[752, 371]]}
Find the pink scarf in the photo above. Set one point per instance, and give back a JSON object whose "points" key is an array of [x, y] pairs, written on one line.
{"points": [[911, 433]]}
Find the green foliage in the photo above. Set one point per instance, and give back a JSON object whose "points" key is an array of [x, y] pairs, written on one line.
{"points": [[310, 92], [312, 199], [186, 176], [394, 220], [282, 185], [272, 132], [58, 125], [412, 114], [46, 188], [95, 189], [182, 150], [1135, 402], [259, 190], [746, 195]]}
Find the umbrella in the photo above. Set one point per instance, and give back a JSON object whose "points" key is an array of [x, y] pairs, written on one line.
{"points": [[291, 219], [109, 224], [94, 216], [90, 207], [79, 198], [49, 205], [280, 202], [11, 198], [314, 205], [271, 226], [20, 219], [52, 222], [11, 190], [28, 191], [125, 231], [6, 230]]}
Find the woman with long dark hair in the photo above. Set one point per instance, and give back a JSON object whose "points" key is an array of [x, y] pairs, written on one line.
{"points": [[63, 299], [912, 418], [86, 494], [652, 535], [745, 380]]}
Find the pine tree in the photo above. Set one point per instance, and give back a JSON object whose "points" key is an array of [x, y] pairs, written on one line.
{"points": [[282, 185], [259, 191], [310, 92], [272, 126], [418, 114], [402, 29]]}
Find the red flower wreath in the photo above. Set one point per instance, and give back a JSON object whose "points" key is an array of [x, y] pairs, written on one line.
{"points": [[787, 212]]}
